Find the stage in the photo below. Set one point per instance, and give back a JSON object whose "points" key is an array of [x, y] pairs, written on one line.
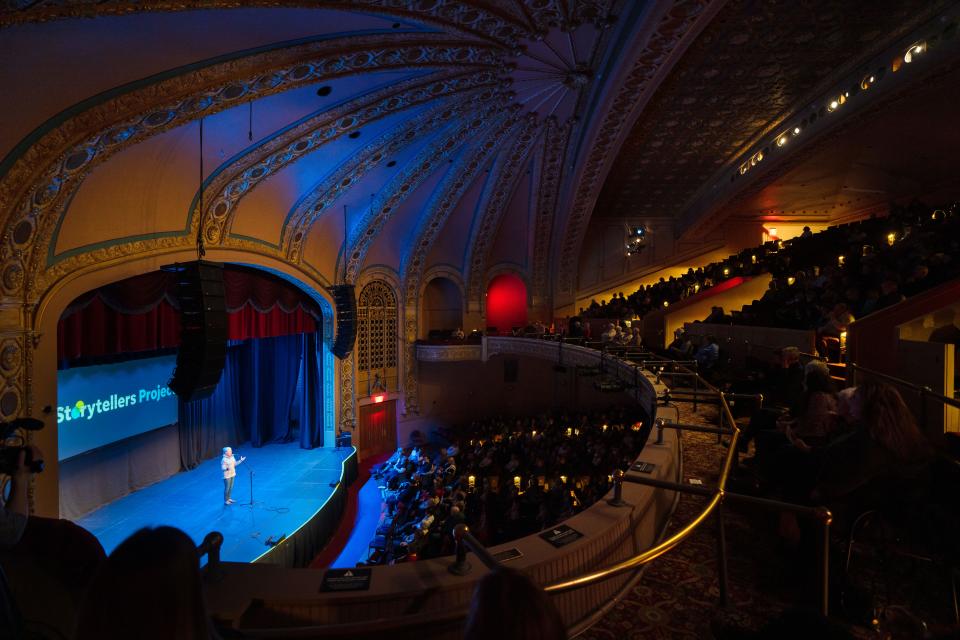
{"points": [[299, 493]]}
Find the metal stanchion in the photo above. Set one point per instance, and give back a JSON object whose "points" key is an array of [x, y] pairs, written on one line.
{"points": [[460, 566], [617, 500], [722, 556], [826, 518], [696, 383]]}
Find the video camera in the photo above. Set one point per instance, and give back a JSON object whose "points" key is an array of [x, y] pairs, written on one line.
{"points": [[9, 456]]}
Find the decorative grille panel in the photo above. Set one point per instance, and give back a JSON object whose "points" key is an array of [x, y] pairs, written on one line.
{"points": [[377, 333]]}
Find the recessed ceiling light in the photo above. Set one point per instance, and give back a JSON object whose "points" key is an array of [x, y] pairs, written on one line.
{"points": [[324, 90]]}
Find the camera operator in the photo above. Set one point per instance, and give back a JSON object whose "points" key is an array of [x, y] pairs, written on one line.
{"points": [[13, 517]]}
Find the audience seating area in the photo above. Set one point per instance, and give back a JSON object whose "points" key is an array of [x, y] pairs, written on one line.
{"points": [[505, 478], [865, 266]]}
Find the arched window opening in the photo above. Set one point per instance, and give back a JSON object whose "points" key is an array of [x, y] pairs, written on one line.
{"points": [[377, 339]]}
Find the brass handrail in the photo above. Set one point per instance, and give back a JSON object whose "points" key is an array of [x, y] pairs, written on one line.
{"points": [[921, 389], [671, 542], [713, 506]]}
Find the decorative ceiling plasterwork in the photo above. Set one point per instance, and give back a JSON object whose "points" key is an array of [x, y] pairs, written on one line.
{"points": [[550, 172], [223, 192], [506, 174], [470, 17], [40, 184], [749, 69], [403, 186], [323, 195], [448, 195], [721, 209], [680, 20]]}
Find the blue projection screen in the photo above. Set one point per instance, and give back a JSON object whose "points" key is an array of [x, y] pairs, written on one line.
{"points": [[105, 403]]}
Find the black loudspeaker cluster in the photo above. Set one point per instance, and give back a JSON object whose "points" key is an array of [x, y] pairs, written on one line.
{"points": [[203, 328], [345, 299]]}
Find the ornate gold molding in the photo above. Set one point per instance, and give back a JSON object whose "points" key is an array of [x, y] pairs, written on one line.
{"points": [[39, 185], [556, 139], [406, 183], [231, 183], [454, 185], [672, 27], [470, 17], [309, 209], [507, 174], [448, 353]]}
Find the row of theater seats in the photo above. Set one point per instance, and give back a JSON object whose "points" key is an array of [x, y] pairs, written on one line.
{"points": [[504, 478], [863, 264]]}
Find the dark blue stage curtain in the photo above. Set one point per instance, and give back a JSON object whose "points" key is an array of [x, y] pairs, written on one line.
{"points": [[212, 423], [311, 424], [255, 399], [268, 386]]}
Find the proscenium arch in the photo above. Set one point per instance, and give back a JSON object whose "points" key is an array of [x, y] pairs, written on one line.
{"points": [[39, 379]]}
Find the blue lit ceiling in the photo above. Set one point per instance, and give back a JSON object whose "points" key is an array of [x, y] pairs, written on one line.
{"points": [[465, 135]]}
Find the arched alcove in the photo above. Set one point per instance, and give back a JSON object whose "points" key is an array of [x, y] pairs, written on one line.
{"points": [[506, 302], [442, 308]]}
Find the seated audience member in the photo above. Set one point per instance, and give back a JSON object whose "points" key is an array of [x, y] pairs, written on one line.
{"points": [[15, 510], [716, 316], [44, 557], [889, 294], [609, 334], [458, 334], [576, 328], [148, 588], [507, 605], [782, 388], [885, 448], [708, 354], [681, 348], [816, 421]]}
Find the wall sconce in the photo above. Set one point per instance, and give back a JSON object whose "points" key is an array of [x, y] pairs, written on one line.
{"points": [[472, 481], [840, 260], [891, 238]]}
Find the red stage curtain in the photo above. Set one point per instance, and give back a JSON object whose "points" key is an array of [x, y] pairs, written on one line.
{"points": [[141, 314]]}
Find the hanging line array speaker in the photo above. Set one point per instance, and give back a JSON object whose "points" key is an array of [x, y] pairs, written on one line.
{"points": [[203, 328], [345, 299]]}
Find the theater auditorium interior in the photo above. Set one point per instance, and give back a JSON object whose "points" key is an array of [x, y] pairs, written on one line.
{"points": [[514, 319]]}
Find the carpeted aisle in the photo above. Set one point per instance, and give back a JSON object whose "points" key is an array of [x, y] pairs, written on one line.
{"points": [[678, 596]]}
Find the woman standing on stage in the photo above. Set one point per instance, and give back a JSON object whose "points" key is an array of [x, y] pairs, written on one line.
{"points": [[228, 464]]}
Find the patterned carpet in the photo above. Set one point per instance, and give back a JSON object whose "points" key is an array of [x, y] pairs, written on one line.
{"points": [[678, 595]]}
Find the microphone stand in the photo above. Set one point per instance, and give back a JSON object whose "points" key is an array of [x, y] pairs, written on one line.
{"points": [[251, 486]]}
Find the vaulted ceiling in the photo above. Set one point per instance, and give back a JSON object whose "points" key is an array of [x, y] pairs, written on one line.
{"points": [[412, 137]]}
